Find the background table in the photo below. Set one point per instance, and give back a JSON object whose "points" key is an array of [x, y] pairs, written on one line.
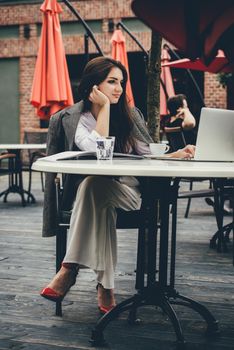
{"points": [[15, 176], [159, 287]]}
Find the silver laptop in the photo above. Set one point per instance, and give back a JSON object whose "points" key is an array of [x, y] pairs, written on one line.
{"points": [[215, 138]]}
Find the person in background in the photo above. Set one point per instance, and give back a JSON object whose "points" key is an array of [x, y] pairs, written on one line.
{"points": [[92, 240], [180, 115]]}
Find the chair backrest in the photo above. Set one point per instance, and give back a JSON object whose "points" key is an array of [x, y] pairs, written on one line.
{"points": [[35, 135], [7, 168], [175, 137]]}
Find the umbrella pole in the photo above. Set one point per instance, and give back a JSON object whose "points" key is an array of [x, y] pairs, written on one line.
{"points": [[87, 28], [189, 73]]}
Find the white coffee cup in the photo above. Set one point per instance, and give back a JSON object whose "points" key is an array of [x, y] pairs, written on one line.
{"points": [[158, 149], [105, 147]]}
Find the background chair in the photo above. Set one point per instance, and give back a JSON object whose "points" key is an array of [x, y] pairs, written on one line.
{"points": [[176, 139], [224, 191], [6, 170], [7, 167], [35, 135]]}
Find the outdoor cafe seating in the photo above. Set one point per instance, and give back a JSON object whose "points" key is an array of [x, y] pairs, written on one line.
{"points": [[125, 220], [149, 218], [34, 136]]}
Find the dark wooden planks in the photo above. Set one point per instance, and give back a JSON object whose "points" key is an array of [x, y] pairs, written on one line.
{"points": [[27, 263]]}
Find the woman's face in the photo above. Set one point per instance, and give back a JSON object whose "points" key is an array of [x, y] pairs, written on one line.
{"points": [[112, 85]]}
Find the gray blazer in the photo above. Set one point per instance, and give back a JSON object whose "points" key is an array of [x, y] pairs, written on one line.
{"points": [[61, 135]]}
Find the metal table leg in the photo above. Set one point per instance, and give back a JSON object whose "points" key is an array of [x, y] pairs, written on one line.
{"points": [[15, 183]]}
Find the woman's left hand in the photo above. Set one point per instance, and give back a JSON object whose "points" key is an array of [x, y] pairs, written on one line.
{"points": [[97, 97], [187, 152]]}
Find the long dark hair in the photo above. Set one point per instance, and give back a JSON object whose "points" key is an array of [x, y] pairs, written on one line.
{"points": [[121, 123]]}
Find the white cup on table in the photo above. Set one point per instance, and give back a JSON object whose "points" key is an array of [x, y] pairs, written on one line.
{"points": [[105, 147], [158, 149]]}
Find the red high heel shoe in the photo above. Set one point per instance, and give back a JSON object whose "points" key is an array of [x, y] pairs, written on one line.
{"points": [[104, 309], [51, 294]]}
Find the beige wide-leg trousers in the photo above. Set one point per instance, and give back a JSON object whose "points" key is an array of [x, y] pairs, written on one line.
{"points": [[92, 240]]}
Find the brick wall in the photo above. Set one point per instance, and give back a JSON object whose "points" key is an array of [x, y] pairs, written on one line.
{"points": [[215, 95], [27, 111], [26, 49]]}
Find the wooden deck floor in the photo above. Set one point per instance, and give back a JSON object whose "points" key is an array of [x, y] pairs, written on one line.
{"points": [[27, 321]]}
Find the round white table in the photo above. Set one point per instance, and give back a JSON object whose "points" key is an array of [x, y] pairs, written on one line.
{"points": [[15, 174], [158, 289], [138, 167]]}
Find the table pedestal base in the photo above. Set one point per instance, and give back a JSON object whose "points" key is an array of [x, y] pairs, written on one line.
{"points": [[16, 182], [164, 299], [22, 193]]}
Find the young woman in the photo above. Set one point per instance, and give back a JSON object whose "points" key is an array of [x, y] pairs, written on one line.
{"points": [[103, 111]]}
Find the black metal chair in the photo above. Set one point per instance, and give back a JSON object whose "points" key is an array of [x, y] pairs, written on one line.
{"points": [[131, 219], [176, 139], [6, 170], [7, 167], [155, 269], [35, 135], [125, 220], [224, 190]]}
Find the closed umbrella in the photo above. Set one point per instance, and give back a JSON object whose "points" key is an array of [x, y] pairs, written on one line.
{"points": [[197, 27], [219, 64], [166, 86], [119, 53], [51, 89]]}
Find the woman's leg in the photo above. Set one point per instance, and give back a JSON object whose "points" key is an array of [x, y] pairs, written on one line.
{"points": [[92, 234], [61, 283]]}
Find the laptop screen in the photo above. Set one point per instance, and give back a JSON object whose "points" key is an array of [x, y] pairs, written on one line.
{"points": [[215, 138]]}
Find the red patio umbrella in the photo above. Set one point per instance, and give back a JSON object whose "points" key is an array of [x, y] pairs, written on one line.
{"points": [[219, 64], [167, 90], [51, 89], [197, 27], [119, 53]]}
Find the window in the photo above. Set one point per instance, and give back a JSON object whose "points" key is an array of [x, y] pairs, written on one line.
{"points": [[9, 32], [135, 25], [76, 28]]}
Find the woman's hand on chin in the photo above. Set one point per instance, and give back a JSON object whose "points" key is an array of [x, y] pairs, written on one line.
{"points": [[97, 97], [186, 152]]}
